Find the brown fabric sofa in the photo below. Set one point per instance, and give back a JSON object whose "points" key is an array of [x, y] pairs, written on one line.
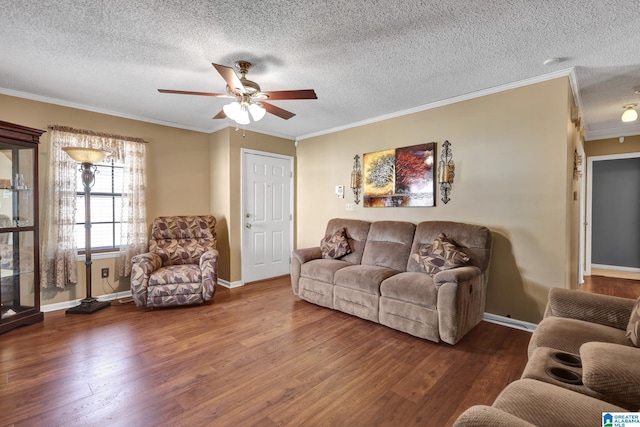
{"points": [[582, 362], [380, 280]]}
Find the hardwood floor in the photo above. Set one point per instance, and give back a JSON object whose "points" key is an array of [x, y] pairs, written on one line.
{"points": [[617, 286], [255, 356]]}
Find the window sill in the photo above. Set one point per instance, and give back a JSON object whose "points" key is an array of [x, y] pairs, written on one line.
{"points": [[99, 255]]}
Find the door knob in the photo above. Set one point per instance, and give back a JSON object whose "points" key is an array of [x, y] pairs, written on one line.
{"points": [[247, 225]]}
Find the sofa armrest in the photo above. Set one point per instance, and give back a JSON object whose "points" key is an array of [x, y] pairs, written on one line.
{"points": [[595, 308], [209, 269], [307, 254], [482, 416], [299, 257], [456, 275], [612, 370], [460, 302], [142, 265]]}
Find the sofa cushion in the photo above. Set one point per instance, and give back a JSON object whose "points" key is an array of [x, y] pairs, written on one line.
{"points": [[389, 244], [336, 245], [322, 270], [612, 370], [474, 240], [633, 329], [442, 254], [569, 334], [176, 274], [366, 278], [544, 404], [357, 232], [417, 288]]}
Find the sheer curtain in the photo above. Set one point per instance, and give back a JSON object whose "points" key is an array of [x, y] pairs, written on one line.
{"points": [[58, 264]]}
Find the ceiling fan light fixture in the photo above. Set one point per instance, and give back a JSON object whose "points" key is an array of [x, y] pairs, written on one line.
{"points": [[242, 118], [257, 111], [630, 114], [232, 110]]}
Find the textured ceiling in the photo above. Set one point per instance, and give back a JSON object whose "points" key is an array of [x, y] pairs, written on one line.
{"points": [[365, 59]]}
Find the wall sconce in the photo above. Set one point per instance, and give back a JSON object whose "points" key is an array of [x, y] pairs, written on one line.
{"points": [[356, 179], [446, 171], [577, 165]]}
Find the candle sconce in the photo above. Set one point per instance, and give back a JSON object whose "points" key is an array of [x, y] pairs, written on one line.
{"points": [[446, 171], [356, 179]]}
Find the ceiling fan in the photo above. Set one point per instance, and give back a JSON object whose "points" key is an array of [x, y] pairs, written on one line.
{"points": [[249, 98]]}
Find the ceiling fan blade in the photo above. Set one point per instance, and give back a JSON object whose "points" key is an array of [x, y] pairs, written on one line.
{"points": [[230, 77], [220, 115], [291, 94], [186, 92], [277, 111]]}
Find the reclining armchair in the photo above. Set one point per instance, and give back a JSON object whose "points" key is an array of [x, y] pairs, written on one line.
{"points": [[181, 267]]}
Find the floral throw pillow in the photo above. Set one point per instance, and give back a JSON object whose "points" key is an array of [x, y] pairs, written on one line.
{"points": [[442, 254], [335, 246], [633, 329]]}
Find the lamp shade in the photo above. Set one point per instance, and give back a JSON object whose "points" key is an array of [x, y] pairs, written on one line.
{"points": [[242, 118], [232, 110], [257, 111], [85, 154], [629, 115]]}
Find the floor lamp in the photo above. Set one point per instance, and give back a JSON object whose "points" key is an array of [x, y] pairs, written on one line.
{"points": [[87, 157]]}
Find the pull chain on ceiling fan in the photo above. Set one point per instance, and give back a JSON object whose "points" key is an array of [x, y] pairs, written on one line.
{"points": [[249, 98]]}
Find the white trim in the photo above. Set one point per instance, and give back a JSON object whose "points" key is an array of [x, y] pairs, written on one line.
{"points": [[230, 285], [616, 268], [590, 161], [68, 304], [582, 220], [567, 72], [624, 129], [98, 255], [509, 322]]}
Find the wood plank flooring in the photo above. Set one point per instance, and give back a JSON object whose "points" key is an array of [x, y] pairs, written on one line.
{"points": [[255, 356], [609, 285]]}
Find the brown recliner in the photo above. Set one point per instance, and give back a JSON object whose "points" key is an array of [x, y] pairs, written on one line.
{"points": [[181, 267]]}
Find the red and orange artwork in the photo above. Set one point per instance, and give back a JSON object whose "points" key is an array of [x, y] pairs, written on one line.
{"points": [[400, 177]]}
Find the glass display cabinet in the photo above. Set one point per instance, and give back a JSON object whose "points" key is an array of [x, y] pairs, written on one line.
{"points": [[19, 241]]}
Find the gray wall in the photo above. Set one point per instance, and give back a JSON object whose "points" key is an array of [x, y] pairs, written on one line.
{"points": [[616, 213]]}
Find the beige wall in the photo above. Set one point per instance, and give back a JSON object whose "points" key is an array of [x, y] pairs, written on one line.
{"points": [[177, 171], [602, 147], [513, 174], [226, 161], [513, 152]]}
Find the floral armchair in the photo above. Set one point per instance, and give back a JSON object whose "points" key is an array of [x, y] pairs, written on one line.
{"points": [[181, 266]]}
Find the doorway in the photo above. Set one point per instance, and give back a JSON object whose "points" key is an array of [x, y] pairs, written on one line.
{"points": [[267, 215], [613, 209]]}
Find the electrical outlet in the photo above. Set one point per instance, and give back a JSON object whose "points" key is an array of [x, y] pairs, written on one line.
{"points": [[105, 273]]}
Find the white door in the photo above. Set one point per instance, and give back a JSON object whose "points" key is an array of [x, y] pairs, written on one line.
{"points": [[267, 207]]}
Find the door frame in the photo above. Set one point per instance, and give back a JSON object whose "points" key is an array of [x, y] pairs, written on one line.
{"points": [[243, 155], [590, 160]]}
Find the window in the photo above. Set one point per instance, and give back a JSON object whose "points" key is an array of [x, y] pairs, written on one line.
{"points": [[106, 209], [118, 208]]}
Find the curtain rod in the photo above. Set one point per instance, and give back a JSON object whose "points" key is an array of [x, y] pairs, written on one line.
{"points": [[99, 134]]}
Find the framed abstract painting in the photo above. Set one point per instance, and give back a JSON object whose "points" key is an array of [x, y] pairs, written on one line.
{"points": [[400, 177]]}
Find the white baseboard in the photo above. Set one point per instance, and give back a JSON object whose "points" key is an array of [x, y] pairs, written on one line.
{"points": [[616, 268], [230, 285], [110, 297], [68, 304], [511, 323]]}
